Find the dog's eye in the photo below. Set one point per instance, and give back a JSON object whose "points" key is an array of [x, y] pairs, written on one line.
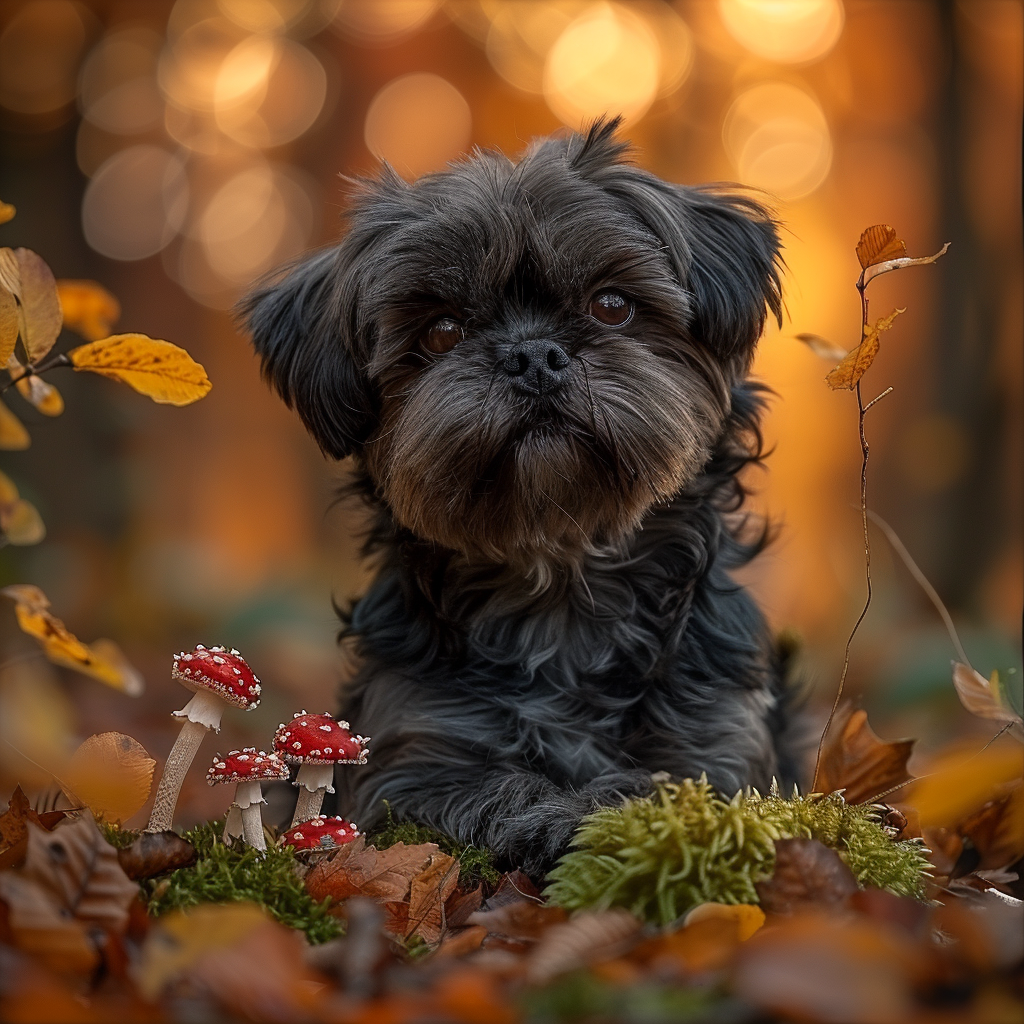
{"points": [[444, 335], [611, 308]]}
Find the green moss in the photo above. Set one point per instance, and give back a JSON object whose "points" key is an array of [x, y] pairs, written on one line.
{"points": [[661, 855], [476, 864], [119, 838], [225, 875]]}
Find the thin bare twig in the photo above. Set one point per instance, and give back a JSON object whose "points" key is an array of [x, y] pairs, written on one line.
{"points": [[34, 371]]}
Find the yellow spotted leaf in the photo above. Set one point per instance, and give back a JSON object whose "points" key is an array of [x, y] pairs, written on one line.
{"points": [[7, 212], [39, 312], [879, 243], [157, 369], [21, 523], [103, 661], [13, 435], [8, 324], [42, 394], [111, 774], [856, 364], [89, 309]]}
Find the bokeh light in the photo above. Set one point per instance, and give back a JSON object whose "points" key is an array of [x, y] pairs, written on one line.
{"points": [[383, 20], [191, 64], [135, 203], [118, 90], [778, 139], [265, 15], [787, 31], [607, 61], [522, 33], [417, 123]]}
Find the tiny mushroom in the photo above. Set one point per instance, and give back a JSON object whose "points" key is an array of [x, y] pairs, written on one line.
{"points": [[319, 833], [218, 679], [247, 768], [317, 743]]}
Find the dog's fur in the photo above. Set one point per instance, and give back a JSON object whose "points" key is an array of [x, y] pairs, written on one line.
{"points": [[553, 619]]}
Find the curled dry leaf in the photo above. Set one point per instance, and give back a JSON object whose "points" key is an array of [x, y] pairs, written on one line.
{"points": [[986, 698], [856, 761], [8, 324], [39, 315], [877, 269], [879, 243], [589, 938], [89, 309], [13, 435], [157, 369], [103, 661], [823, 347], [41, 394], [14, 824], [156, 853], [806, 873], [961, 784], [111, 774], [856, 364], [7, 212]]}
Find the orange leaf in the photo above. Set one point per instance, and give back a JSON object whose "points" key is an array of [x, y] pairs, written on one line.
{"points": [[89, 309], [13, 435], [879, 243], [8, 324], [856, 364], [40, 393], [428, 893], [997, 830], [748, 916], [7, 212], [961, 784]]}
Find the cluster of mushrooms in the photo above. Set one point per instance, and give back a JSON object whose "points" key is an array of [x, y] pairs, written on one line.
{"points": [[219, 679]]}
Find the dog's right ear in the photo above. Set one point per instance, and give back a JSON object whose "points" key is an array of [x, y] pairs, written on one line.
{"points": [[303, 338]]}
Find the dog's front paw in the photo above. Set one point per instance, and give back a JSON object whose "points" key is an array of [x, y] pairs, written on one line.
{"points": [[615, 787]]}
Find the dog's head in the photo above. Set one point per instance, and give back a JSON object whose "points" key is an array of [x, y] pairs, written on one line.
{"points": [[526, 357]]}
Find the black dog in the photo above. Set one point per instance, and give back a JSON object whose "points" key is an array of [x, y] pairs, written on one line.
{"points": [[540, 370]]}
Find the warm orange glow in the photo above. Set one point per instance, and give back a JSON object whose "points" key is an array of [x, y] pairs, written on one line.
{"points": [[118, 91], [191, 65], [521, 34], [778, 139], [788, 31], [383, 19], [607, 61], [264, 15], [418, 123]]}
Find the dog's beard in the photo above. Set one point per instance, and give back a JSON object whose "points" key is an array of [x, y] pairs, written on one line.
{"points": [[464, 461]]}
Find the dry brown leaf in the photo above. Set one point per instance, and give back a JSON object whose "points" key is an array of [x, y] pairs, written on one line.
{"points": [[524, 920], [41, 394], [856, 364], [156, 853], [10, 273], [157, 369], [14, 824], [111, 774], [21, 523], [103, 661], [823, 347], [748, 917], [428, 893], [856, 761], [806, 873], [13, 435], [589, 938], [960, 784], [8, 324], [879, 243], [985, 698], [360, 870], [39, 315], [89, 309], [7, 212], [877, 269], [997, 830]]}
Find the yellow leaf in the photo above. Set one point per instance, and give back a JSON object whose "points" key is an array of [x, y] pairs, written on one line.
{"points": [[21, 523], [856, 364], [879, 243], [10, 275], [8, 490], [961, 784], [103, 661], [39, 310], [13, 435], [7, 212], [42, 394], [158, 369], [748, 916], [89, 309], [8, 324], [111, 774]]}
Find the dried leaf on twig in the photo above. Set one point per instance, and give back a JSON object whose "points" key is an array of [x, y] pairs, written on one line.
{"points": [[40, 394], [39, 315], [879, 243], [8, 324], [856, 364]]}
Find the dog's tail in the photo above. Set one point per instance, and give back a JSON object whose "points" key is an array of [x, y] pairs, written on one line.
{"points": [[788, 721]]}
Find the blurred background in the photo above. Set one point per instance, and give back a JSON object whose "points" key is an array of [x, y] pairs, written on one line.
{"points": [[176, 151]]}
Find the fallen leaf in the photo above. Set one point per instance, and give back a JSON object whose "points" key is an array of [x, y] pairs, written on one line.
{"points": [[13, 435], [8, 324], [997, 830], [514, 886], [806, 872], [157, 369], [39, 315], [428, 893], [463, 941], [41, 394], [879, 243], [855, 760], [877, 269], [361, 870], [589, 938], [156, 853], [88, 308], [111, 774], [104, 661], [823, 347], [748, 916], [460, 905], [960, 784], [14, 824], [856, 364], [986, 698], [525, 920], [7, 212], [21, 523], [697, 948]]}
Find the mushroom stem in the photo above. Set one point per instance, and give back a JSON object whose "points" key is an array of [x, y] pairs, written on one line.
{"points": [[178, 760], [308, 805], [249, 798], [313, 781], [232, 825]]}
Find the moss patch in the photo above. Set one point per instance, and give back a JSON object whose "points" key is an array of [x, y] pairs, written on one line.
{"points": [[661, 855], [226, 875]]}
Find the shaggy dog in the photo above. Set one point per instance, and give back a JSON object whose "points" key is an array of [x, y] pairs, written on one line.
{"points": [[539, 370]]}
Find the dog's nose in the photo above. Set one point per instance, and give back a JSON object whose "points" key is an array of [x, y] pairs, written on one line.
{"points": [[537, 367]]}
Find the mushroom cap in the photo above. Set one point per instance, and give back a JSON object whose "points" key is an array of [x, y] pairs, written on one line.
{"points": [[247, 765], [320, 833], [219, 671], [319, 739]]}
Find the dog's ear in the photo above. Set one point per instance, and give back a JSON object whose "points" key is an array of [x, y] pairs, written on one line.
{"points": [[303, 338]]}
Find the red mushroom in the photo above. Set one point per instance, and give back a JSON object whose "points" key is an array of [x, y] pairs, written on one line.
{"points": [[320, 833], [218, 678], [318, 743], [247, 768]]}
